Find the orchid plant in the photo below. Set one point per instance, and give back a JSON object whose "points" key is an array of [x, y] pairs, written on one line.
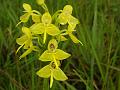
{"points": [[49, 28]]}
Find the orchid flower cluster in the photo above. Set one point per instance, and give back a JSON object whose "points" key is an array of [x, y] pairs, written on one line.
{"points": [[46, 26]]}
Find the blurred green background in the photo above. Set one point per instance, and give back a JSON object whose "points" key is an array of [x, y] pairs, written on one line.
{"points": [[94, 66]]}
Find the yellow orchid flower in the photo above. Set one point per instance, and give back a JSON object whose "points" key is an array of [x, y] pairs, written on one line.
{"points": [[66, 17], [40, 2], [70, 33], [53, 54], [52, 72], [45, 27], [29, 12], [25, 41]]}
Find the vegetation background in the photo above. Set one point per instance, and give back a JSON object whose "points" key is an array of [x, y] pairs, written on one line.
{"points": [[94, 66]]}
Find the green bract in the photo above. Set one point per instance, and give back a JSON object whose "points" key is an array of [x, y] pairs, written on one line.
{"points": [[50, 29]]}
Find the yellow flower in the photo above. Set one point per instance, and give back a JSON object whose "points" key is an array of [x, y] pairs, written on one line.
{"points": [[45, 27], [53, 54], [29, 12], [40, 2], [66, 17], [70, 33], [52, 72], [25, 41]]}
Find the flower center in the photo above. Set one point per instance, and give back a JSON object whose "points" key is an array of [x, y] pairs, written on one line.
{"points": [[52, 47], [53, 65]]}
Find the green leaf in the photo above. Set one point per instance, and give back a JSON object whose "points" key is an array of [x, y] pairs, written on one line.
{"points": [[58, 74], [46, 18], [45, 72], [46, 56], [37, 28], [52, 30], [27, 7], [61, 55]]}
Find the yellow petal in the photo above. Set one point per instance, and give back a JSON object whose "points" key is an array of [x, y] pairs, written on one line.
{"points": [[44, 72], [62, 38], [74, 39], [26, 52], [58, 74], [46, 18], [67, 9], [21, 40], [40, 2], [26, 31], [61, 55], [63, 19], [27, 7], [35, 18], [51, 80], [71, 28], [20, 47], [46, 56], [45, 36], [52, 45], [27, 43], [25, 17], [37, 28], [52, 30], [72, 21]]}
